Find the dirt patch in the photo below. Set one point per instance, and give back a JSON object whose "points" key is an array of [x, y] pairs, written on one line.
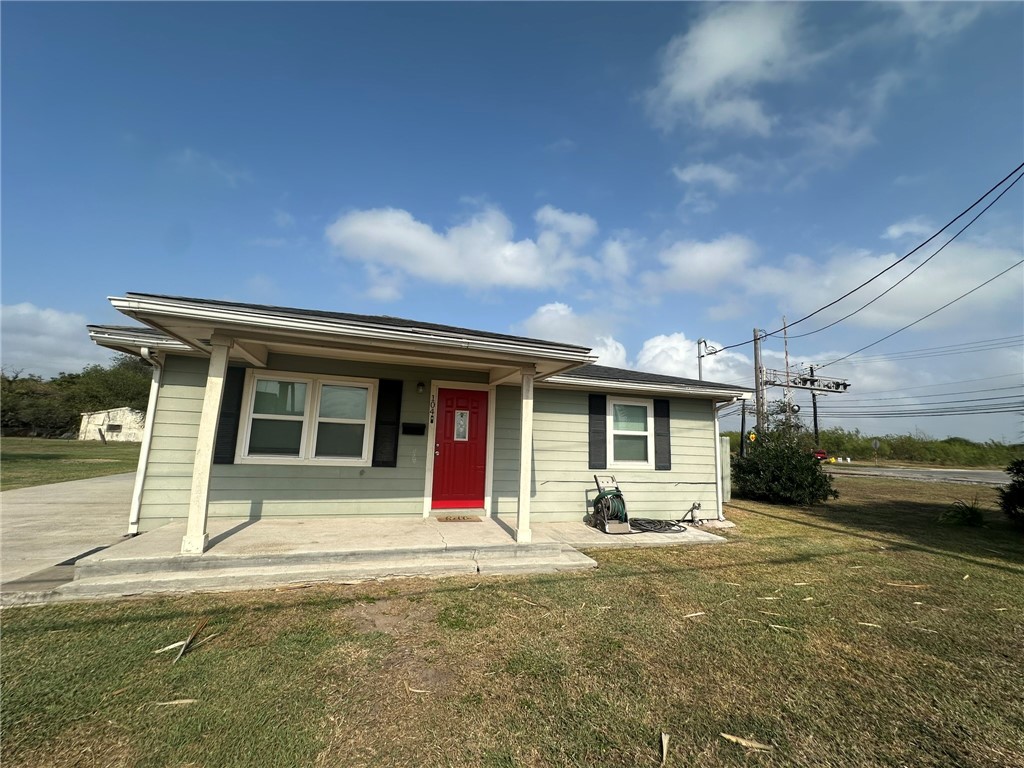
{"points": [[397, 617]]}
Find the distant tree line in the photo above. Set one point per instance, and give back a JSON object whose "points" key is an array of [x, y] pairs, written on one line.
{"points": [[951, 451], [31, 405]]}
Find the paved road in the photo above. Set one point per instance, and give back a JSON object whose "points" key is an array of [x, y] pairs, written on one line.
{"points": [[928, 474], [46, 525]]}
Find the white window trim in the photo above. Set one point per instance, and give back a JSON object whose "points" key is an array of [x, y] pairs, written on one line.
{"points": [[310, 420], [649, 404]]}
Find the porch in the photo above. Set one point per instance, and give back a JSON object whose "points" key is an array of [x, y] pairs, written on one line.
{"points": [[245, 554]]}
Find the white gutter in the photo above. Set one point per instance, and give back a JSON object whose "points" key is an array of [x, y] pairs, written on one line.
{"points": [[718, 456], [683, 390], [147, 440], [220, 316]]}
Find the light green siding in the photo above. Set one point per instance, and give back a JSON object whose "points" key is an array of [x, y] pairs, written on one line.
{"points": [[252, 491], [562, 482]]}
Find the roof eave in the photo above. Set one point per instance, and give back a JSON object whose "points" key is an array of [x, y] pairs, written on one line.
{"points": [[706, 393], [158, 311]]}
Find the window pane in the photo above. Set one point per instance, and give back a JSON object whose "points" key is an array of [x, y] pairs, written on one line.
{"points": [[342, 440], [629, 418], [630, 447], [342, 402], [269, 437], [280, 398]]}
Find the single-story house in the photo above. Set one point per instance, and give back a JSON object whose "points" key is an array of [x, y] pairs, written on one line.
{"points": [[122, 425], [261, 411]]}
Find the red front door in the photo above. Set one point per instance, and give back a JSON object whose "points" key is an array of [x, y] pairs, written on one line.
{"points": [[460, 449]]}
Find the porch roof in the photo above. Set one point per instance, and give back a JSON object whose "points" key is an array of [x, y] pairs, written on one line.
{"points": [[255, 328]]}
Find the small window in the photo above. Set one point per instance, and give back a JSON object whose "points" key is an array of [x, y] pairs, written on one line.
{"points": [[308, 419], [630, 432], [113, 428]]}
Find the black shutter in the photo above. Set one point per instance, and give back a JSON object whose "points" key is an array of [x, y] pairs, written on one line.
{"points": [[387, 425], [230, 416], [598, 407], [662, 435]]}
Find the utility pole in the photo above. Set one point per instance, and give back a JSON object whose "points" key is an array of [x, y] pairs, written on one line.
{"points": [[743, 430], [700, 359], [814, 412], [762, 410], [789, 393]]}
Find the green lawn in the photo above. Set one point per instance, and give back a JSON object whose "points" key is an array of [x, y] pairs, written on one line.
{"points": [[27, 461], [857, 634]]}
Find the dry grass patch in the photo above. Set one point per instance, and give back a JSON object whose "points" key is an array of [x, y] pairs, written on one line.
{"points": [[847, 635]]}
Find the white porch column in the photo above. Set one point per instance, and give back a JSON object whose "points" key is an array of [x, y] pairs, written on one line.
{"points": [[196, 538], [718, 463], [523, 533], [147, 440]]}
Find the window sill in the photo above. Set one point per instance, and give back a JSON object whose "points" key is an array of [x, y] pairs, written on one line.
{"points": [[295, 461]]}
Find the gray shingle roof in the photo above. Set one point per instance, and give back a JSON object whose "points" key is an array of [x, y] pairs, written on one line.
{"points": [[346, 317], [605, 373]]}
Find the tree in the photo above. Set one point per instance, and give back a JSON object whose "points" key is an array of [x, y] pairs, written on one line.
{"points": [[1011, 497], [780, 466], [30, 405]]}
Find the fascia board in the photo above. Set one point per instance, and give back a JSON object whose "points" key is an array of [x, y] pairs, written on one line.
{"points": [[121, 339], [706, 393], [220, 316]]}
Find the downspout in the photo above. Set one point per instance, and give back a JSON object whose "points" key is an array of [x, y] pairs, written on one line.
{"points": [[718, 458], [147, 439]]}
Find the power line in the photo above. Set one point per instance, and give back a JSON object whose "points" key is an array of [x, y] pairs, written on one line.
{"points": [[943, 384], [910, 406], [921, 397], [924, 355], [879, 274], [921, 319], [911, 272], [922, 415]]}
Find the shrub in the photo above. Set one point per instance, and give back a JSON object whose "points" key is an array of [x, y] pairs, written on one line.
{"points": [[962, 513], [780, 468], [1011, 496]]}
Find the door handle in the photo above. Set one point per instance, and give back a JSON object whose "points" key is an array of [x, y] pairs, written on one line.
{"points": [[437, 449]]}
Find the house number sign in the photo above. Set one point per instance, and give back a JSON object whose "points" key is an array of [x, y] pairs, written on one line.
{"points": [[433, 405]]}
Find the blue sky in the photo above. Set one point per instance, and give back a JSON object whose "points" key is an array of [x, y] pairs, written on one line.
{"points": [[628, 176]]}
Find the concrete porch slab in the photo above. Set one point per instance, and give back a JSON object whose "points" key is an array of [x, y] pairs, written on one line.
{"points": [[253, 554]]}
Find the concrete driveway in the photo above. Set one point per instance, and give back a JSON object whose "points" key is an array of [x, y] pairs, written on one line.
{"points": [[46, 525]]}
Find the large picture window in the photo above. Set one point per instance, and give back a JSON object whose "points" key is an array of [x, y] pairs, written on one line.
{"points": [[307, 419], [631, 432]]}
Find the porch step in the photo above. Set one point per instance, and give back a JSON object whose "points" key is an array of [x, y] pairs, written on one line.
{"points": [[242, 576], [106, 564]]}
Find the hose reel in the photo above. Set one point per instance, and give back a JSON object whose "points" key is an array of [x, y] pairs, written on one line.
{"points": [[610, 513]]}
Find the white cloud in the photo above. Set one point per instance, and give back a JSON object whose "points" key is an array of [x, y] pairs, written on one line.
{"points": [[709, 73], [690, 265], [675, 355], [283, 219], [708, 173], [558, 322], [917, 227], [801, 284], [935, 20], [46, 341], [478, 252], [578, 227], [196, 163], [615, 258]]}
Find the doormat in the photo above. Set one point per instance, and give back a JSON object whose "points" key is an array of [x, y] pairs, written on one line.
{"points": [[459, 519]]}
